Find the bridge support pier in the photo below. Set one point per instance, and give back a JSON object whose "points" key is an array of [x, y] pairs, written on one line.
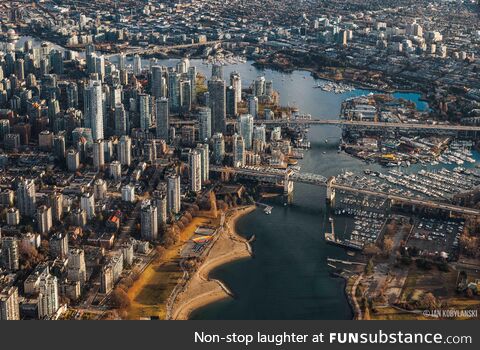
{"points": [[288, 191], [330, 197]]}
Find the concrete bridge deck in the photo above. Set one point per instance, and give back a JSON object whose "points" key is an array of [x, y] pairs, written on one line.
{"points": [[280, 175]]}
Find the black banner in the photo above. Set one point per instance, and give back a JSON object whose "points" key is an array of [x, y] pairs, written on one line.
{"points": [[243, 334]]}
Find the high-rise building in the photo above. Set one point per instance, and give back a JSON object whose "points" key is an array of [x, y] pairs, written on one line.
{"points": [[231, 101], [218, 148], [100, 189], [128, 193], [145, 113], [56, 61], [20, 69], [259, 138], [259, 86], [205, 166], [174, 94], [186, 96], [56, 203], [204, 123], [76, 269], [10, 253], [48, 297], [150, 151], [122, 61], [160, 201], [59, 147], [4, 129], [93, 104], [13, 217], [121, 127], [125, 150], [183, 65], [162, 113], [26, 200], [115, 96], [195, 165], [217, 71], [269, 88], [149, 221], [106, 279], [238, 151], [173, 193], [246, 129], [158, 82], [236, 83], [137, 64], [253, 106], [73, 159], [44, 219], [9, 310], [116, 170], [72, 95], [87, 203], [192, 76], [217, 104], [59, 245], [98, 155]]}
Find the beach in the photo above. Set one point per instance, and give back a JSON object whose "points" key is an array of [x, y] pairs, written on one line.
{"points": [[149, 293], [200, 290]]}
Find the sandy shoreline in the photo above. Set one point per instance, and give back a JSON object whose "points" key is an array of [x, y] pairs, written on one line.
{"points": [[200, 290]]}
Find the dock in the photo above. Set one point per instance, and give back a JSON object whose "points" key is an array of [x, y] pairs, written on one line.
{"points": [[330, 260]]}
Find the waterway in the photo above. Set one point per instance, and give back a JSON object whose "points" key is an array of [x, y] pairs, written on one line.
{"points": [[288, 278]]}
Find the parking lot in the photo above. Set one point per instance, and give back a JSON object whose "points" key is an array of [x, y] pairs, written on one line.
{"points": [[434, 236]]}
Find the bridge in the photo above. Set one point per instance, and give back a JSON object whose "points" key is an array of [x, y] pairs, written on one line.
{"points": [[289, 176], [341, 122], [369, 124], [272, 175], [154, 49]]}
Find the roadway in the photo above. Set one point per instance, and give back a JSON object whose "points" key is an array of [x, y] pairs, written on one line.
{"points": [[340, 122], [266, 174], [369, 124]]}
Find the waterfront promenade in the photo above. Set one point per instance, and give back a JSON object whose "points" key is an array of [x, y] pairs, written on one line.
{"points": [[200, 289]]}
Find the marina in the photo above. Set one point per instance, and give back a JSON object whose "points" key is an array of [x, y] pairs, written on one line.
{"points": [[337, 88], [440, 184]]}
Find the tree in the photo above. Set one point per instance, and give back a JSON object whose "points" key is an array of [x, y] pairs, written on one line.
{"points": [[160, 251], [185, 221], [188, 216], [428, 301], [369, 268], [180, 225], [120, 298], [371, 250], [29, 256], [387, 245], [468, 244]]}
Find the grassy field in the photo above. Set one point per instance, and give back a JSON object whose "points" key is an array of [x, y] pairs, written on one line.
{"points": [[150, 292], [441, 284]]}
